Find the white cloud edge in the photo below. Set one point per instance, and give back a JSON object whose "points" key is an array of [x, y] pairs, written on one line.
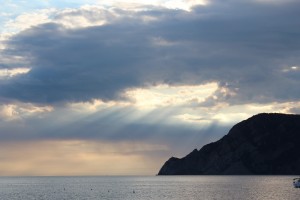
{"points": [[182, 111], [33, 18]]}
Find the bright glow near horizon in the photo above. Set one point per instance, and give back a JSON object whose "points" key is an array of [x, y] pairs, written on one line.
{"points": [[74, 157]]}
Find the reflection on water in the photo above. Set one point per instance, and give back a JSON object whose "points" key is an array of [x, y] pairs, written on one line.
{"points": [[143, 188]]}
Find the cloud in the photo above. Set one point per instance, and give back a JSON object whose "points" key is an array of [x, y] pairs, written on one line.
{"points": [[16, 17], [8, 73], [127, 121], [16, 112], [221, 42], [27, 20], [274, 1], [170, 96]]}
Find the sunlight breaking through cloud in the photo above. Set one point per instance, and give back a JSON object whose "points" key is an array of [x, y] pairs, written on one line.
{"points": [[18, 111], [167, 95], [8, 73], [291, 69]]}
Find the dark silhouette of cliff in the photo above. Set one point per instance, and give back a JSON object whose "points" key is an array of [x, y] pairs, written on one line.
{"points": [[266, 144]]}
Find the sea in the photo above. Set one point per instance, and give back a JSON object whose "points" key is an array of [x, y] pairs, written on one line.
{"points": [[149, 187]]}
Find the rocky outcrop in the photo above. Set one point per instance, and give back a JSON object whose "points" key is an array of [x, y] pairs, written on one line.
{"points": [[266, 144]]}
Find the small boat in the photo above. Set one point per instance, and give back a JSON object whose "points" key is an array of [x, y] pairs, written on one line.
{"points": [[296, 182]]}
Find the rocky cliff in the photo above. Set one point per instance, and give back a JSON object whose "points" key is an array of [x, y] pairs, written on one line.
{"points": [[263, 144]]}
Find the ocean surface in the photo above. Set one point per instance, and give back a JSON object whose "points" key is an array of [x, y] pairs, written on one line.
{"points": [[152, 187]]}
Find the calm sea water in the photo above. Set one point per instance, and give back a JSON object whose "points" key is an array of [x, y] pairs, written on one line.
{"points": [[156, 188]]}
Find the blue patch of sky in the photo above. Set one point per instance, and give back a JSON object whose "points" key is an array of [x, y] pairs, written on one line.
{"points": [[10, 9]]}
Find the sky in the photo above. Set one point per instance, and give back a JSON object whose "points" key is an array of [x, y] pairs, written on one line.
{"points": [[117, 87]]}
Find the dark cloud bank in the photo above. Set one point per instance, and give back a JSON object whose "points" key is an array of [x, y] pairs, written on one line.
{"points": [[245, 45]]}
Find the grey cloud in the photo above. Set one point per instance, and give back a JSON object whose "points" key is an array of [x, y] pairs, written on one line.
{"points": [[241, 44], [111, 126]]}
